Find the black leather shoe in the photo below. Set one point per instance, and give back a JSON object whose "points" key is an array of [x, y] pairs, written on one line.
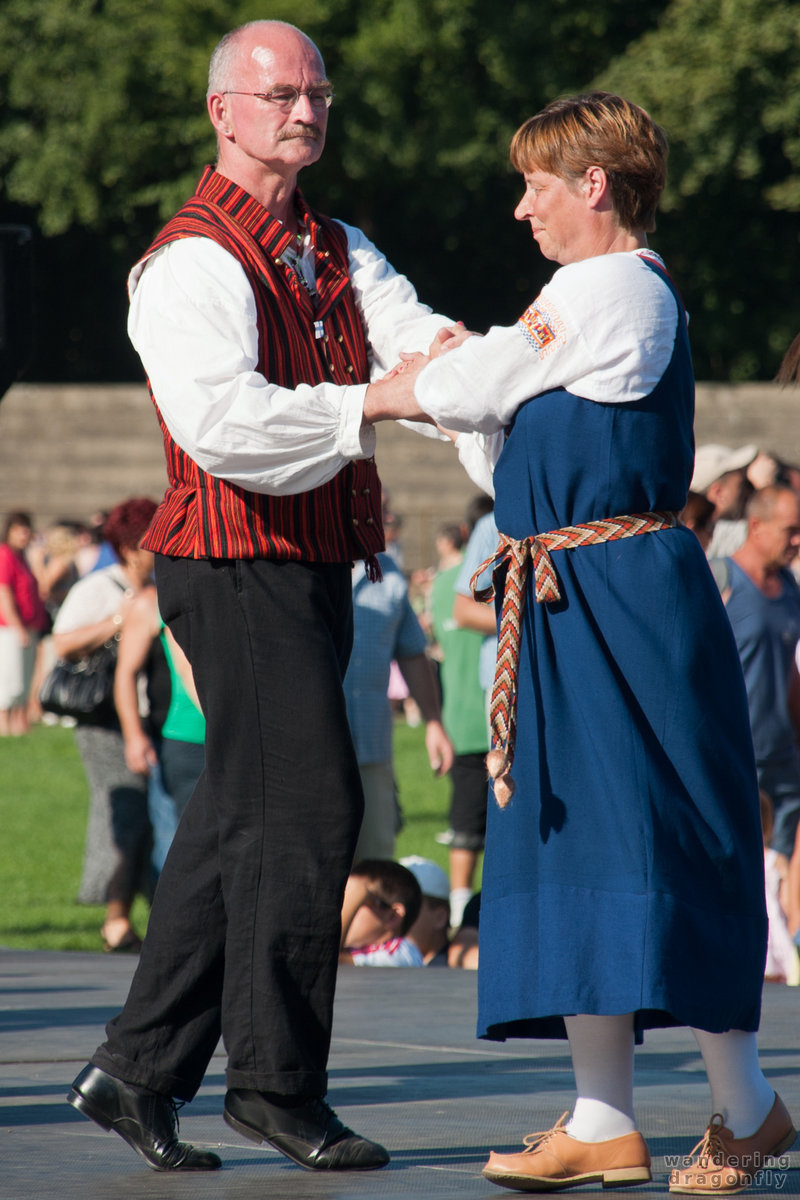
{"points": [[147, 1121], [310, 1134]]}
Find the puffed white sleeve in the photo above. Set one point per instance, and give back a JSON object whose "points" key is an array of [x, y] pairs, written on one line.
{"points": [[603, 328], [395, 320], [193, 323]]}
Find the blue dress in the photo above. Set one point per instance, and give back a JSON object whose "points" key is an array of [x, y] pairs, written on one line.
{"points": [[626, 874]]}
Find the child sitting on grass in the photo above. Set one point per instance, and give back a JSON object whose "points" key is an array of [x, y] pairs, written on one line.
{"points": [[381, 902]]}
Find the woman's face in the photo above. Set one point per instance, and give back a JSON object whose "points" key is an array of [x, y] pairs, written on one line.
{"points": [[19, 537], [138, 563], [559, 216]]}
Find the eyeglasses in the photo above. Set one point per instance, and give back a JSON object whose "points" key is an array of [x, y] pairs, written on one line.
{"points": [[286, 97]]}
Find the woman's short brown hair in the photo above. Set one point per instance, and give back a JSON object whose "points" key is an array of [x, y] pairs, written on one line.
{"points": [[127, 524], [599, 129]]}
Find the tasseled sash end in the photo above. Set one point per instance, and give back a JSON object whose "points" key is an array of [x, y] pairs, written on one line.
{"points": [[516, 556], [499, 768]]}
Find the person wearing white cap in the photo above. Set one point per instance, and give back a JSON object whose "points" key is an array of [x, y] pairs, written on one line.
{"points": [[720, 474], [429, 931]]}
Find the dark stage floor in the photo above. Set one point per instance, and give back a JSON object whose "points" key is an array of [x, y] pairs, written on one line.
{"points": [[405, 1070]]}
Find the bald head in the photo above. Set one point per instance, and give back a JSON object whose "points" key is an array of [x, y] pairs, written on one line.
{"points": [[773, 528], [256, 43], [762, 504], [268, 102]]}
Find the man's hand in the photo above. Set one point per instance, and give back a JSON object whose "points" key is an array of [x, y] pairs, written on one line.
{"points": [[392, 398], [439, 747]]}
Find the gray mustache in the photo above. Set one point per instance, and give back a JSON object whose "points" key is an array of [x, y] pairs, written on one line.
{"points": [[301, 131]]}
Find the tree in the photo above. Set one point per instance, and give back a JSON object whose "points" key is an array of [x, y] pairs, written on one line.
{"points": [[104, 133], [97, 98], [723, 78], [432, 91]]}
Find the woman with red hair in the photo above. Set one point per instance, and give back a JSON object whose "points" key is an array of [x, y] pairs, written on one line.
{"points": [[117, 855]]}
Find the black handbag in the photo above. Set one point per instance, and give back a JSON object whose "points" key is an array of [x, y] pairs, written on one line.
{"points": [[83, 689]]}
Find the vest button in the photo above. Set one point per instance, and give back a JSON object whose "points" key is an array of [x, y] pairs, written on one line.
{"points": [[349, 370], [355, 520]]}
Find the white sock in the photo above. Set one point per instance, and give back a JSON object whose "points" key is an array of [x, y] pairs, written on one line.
{"points": [[602, 1059], [739, 1090], [459, 898]]}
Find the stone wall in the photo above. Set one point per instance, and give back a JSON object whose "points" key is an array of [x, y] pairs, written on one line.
{"points": [[67, 451]]}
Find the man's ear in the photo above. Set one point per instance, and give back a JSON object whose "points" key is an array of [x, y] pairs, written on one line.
{"points": [[442, 917], [712, 491], [394, 919], [217, 105]]}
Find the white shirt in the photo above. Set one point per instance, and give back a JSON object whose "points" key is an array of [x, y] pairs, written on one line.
{"points": [[603, 328], [193, 322], [397, 952], [94, 598]]}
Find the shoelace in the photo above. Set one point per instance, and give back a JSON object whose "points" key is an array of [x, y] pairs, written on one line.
{"points": [[534, 1141], [176, 1152], [711, 1147], [175, 1105]]}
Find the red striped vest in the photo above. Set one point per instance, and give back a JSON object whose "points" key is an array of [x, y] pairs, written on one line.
{"points": [[202, 516]]}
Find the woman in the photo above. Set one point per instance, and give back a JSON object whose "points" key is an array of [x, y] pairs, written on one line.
{"points": [[623, 882], [23, 621], [168, 744], [117, 854]]}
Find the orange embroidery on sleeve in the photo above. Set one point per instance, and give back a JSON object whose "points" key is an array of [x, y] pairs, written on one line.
{"points": [[542, 327]]}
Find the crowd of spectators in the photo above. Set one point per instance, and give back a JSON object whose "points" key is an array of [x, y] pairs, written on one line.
{"points": [[427, 632]]}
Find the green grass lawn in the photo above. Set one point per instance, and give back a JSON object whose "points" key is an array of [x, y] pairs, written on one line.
{"points": [[43, 809]]}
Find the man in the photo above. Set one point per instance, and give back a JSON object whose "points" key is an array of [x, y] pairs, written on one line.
{"points": [[385, 628], [256, 319], [763, 604], [720, 474]]}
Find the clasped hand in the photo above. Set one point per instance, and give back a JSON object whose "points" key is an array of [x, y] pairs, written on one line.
{"points": [[392, 398]]}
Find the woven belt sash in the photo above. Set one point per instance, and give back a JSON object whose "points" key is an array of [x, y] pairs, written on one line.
{"points": [[519, 555]]}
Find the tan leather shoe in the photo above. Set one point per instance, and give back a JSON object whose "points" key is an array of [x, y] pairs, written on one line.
{"points": [[725, 1164], [553, 1160]]}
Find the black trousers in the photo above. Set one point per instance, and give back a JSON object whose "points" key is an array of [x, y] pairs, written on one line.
{"points": [[245, 926]]}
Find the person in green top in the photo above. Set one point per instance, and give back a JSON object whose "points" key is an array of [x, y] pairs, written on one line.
{"points": [[464, 719], [167, 744]]}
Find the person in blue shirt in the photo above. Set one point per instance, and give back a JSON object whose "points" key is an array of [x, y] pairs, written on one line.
{"points": [[763, 605], [385, 627]]}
